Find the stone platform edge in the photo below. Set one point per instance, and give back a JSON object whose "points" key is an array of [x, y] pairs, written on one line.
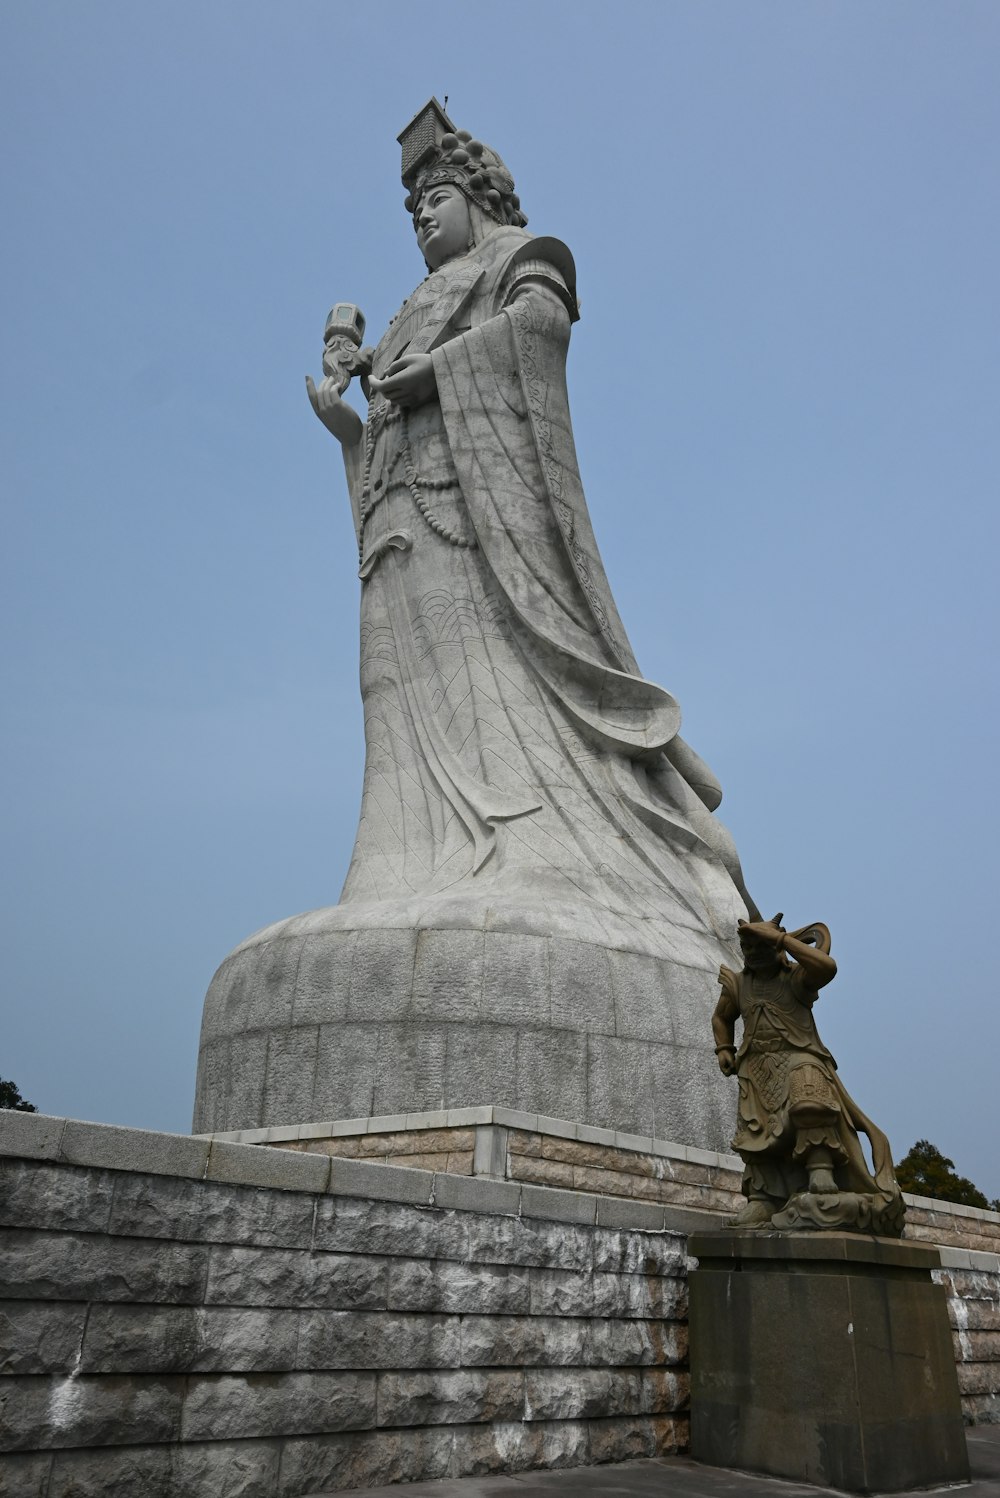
{"points": [[67, 1141], [239, 1159], [466, 1118]]}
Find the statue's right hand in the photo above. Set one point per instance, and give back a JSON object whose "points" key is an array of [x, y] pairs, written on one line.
{"points": [[338, 417], [727, 1060]]}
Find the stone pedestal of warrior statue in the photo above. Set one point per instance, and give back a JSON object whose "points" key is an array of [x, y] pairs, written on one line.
{"points": [[540, 894]]}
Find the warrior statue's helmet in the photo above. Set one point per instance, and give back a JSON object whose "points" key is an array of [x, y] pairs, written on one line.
{"points": [[434, 151]]}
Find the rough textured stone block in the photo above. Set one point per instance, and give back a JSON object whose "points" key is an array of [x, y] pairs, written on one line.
{"points": [[211, 1212], [613, 1342], [181, 1339], [369, 1339], [515, 1447], [627, 1440], [72, 1411], [55, 1196], [353, 1225], [93, 1266], [575, 1393], [25, 1475], [364, 1459], [529, 1241], [417, 1285], [450, 1398], [512, 1341], [280, 1277], [40, 1336], [225, 1408], [224, 1469], [628, 1251]]}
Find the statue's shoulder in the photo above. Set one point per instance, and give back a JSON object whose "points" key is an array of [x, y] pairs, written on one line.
{"points": [[511, 255]]}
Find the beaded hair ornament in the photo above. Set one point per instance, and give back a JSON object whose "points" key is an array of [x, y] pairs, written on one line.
{"points": [[434, 151]]}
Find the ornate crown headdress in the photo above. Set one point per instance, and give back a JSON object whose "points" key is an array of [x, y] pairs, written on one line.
{"points": [[434, 151]]}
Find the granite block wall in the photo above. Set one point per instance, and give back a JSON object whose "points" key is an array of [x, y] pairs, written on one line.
{"points": [[189, 1318]]}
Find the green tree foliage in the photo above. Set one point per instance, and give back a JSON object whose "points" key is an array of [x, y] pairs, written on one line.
{"points": [[926, 1172], [10, 1097]]}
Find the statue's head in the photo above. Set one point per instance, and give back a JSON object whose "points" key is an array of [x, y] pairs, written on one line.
{"points": [[435, 154], [759, 954]]}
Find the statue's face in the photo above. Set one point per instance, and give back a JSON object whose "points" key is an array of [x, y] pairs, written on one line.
{"points": [[443, 224], [758, 956]]}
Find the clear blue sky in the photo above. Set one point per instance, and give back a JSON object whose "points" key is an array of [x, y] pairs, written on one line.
{"points": [[786, 392]]}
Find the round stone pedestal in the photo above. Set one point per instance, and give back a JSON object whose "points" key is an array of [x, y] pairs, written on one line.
{"points": [[408, 1006]]}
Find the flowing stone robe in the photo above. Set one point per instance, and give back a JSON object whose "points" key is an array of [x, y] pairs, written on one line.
{"points": [[539, 896]]}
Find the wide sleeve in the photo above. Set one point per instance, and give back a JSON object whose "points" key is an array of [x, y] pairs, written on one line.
{"points": [[502, 391]]}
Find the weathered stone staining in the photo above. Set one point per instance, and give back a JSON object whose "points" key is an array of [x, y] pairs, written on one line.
{"points": [[825, 1358], [797, 1129], [540, 893]]}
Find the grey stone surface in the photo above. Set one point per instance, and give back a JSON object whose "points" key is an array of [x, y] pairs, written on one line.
{"points": [[496, 1289], [345, 1073], [280, 1277], [536, 849], [211, 1212], [280, 1169], [267, 1339], [398, 1183], [75, 1411], [843, 1378], [474, 1194], [40, 1337], [90, 1266], [55, 1196], [357, 1225], [363, 1339], [558, 1206], [34, 1136], [450, 1397], [225, 1408]]}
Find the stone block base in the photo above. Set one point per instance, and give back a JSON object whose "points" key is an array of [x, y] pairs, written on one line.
{"points": [[826, 1358]]}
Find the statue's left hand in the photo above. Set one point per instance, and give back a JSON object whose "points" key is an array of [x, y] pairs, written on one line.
{"points": [[409, 381]]}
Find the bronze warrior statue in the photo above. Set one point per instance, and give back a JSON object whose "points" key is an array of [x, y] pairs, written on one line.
{"points": [[797, 1127]]}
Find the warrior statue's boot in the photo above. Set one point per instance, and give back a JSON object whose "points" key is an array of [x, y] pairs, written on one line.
{"points": [[819, 1164], [756, 1214]]}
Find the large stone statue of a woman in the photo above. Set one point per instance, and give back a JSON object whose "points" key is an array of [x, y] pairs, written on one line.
{"points": [[540, 895]]}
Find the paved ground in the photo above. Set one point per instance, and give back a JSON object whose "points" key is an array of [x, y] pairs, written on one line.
{"points": [[675, 1477]]}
